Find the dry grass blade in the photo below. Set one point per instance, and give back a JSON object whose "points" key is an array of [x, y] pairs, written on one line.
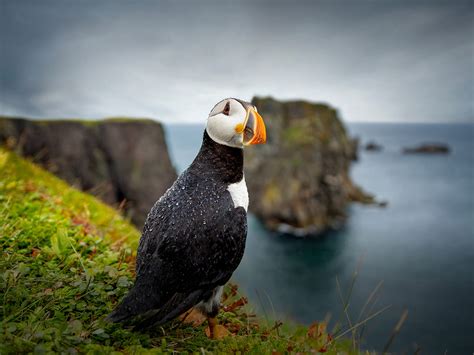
{"points": [[357, 325], [396, 330], [274, 313], [78, 256], [374, 292], [263, 307], [373, 297], [271, 304], [345, 305]]}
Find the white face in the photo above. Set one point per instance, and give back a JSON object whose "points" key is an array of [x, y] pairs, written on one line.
{"points": [[223, 123]]}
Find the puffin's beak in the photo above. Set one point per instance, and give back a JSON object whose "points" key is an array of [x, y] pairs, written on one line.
{"points": [[254, 128]]}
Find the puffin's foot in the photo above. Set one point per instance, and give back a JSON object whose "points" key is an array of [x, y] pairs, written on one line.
{"points": [[193, 317], [216, 331]]}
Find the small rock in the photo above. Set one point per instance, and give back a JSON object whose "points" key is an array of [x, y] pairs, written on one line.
{"points": [[373, 147], [428, 148]]}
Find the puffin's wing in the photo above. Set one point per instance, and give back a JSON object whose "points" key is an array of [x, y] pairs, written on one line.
{"points": [[146, 294], [194, 269], [207, 255]]}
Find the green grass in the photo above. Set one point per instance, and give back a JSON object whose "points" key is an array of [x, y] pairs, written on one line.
{"points": [[67, 259]]}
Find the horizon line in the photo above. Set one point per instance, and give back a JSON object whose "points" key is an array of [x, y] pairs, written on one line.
{"points": [[138, 117]]}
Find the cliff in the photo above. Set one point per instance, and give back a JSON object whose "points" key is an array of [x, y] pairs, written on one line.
{"points": [[299, 181], [122, 161]]}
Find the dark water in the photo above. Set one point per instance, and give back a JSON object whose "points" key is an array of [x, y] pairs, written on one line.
{"points": [[421, 246]]}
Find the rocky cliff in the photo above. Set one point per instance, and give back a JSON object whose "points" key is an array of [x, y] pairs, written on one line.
{"points": [[124, 162], [299, 181]]}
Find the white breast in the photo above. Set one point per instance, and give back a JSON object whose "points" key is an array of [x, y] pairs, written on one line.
{"points": [[239, 194]]}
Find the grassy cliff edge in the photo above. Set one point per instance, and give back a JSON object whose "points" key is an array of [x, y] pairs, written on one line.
{"points": [[67, 259]]}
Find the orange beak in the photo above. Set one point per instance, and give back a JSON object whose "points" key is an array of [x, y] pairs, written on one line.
{"points": [[254, 128]]}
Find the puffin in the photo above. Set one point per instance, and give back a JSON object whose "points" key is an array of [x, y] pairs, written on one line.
{"points": [[194, 235]]}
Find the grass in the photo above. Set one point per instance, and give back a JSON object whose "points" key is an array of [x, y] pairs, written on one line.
{"points": [[67, 259]]}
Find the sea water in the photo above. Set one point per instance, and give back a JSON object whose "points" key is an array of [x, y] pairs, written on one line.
{"points": [[420, 248]]}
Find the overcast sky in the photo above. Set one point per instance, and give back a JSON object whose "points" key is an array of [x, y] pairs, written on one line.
{"points": [[373, 60]]}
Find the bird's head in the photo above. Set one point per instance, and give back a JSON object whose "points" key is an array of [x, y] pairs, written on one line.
{"points": [[236, 123]]}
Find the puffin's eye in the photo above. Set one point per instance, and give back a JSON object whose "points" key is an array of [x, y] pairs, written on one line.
{"points": [[226, 109]]}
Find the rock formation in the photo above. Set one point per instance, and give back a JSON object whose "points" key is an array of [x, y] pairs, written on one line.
{"points": [[373, 147], [299, 181], [428, 148], [122, 161]]}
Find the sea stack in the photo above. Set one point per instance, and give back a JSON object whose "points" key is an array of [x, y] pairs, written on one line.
{"points": [[299, 181]]}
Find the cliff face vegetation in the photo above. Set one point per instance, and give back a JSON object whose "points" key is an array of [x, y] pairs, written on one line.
{"points": [[117, 159], [299, 181]]}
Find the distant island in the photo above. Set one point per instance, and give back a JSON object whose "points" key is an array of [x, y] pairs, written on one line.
{"points": [[373, 146], [428, 148]]}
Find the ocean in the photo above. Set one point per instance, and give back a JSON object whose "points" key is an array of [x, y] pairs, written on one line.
{"points": [[420, 248]]}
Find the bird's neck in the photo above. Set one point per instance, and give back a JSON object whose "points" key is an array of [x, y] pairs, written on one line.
{"points": [[218, 161]]}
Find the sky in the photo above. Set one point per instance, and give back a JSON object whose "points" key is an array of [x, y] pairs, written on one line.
{"points": [[381, 60]]}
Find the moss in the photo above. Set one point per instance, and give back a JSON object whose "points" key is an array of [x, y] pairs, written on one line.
{"points": [[271, 194], [67, 259], [298, 134]]}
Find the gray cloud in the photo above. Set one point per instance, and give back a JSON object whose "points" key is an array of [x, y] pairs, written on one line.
{"points": [[375, 61]]}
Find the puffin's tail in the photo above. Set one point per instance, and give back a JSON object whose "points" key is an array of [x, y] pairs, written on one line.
{"points": [[135, 303], [176, 305]]}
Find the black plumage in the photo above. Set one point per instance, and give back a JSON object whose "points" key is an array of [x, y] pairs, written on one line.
{"points": [[192, 241]]}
